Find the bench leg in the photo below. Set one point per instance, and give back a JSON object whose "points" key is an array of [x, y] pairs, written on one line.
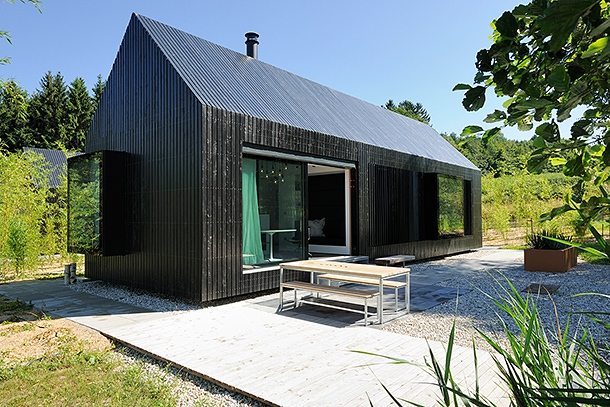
{"points": [[281, 306], [295, 298], [396, 300], [408, 293], [366, 312]]}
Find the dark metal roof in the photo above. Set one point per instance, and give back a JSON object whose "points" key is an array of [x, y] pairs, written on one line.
{"points": [[229, 80], [55, 161]]}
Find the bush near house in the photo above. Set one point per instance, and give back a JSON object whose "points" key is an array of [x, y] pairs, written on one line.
{"points": [[32, 216]]}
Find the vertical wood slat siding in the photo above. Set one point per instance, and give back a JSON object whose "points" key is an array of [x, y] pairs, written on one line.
{"points": [[230, 131], [147, 111]]}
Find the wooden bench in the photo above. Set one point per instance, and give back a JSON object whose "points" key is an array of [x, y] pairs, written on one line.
{"points": [[373, 282], [318, 289], [399, 260]]}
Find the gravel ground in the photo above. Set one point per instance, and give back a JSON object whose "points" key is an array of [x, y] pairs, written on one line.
{"points": [[138, 298], [481, 273], [189, 390]]}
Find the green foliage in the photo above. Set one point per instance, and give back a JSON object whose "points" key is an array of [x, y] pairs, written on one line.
{"points": [[48, 112], [499, 156], [538, 367], [17, 243], [519, 199], [548, 240], [451, 206], [22, 207], [79, 111], [98, 89], [14, 131], [54, 117], [57, 380], [85, 205], [415, 111], [32, 217], [548, 58]]}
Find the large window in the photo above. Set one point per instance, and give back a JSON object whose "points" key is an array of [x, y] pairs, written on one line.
{"points": [[84, 204], [273, 212], [450, 206]]}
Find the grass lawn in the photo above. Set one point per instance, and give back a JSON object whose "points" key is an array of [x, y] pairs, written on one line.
{"points": [[46, 362]]}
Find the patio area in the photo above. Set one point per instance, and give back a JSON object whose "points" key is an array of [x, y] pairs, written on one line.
{"points": [[305, 356]]}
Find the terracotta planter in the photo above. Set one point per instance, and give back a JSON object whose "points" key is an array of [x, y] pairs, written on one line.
{"points": [[552, 261]]}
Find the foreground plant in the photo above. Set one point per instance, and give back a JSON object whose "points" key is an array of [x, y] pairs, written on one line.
{"points": [[563, 366]]}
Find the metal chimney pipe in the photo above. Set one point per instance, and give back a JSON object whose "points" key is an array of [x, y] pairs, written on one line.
{"points": [[252, 44]]}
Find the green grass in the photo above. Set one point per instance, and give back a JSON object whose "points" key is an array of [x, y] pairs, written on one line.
{"points": [[72, 375], [75, 377]]}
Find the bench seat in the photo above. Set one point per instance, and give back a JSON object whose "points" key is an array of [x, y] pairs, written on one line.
{"points": [[369, 281], [363, 280], [364, 295]]}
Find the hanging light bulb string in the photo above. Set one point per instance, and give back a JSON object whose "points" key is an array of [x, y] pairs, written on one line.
{"points": [[273, 172]]}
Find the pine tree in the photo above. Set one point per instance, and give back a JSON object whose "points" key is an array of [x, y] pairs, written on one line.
{"points": [[14, 131], [48, 112], [415, 111], [98, 89], [79, 111]]}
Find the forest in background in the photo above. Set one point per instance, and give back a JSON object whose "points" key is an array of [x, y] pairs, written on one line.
{"points": [[55, 116]]}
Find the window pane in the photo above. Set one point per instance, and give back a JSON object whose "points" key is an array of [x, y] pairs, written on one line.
{"points": [[451, 206], [84, 207], [272, 204]]}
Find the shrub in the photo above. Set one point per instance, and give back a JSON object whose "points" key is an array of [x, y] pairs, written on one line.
{"points": [[540, 240]]}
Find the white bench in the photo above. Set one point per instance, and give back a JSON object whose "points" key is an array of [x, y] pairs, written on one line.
{"points": [[396, 285], [340, 291]]}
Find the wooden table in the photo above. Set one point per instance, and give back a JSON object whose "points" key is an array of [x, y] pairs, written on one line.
{"points": [[394, 261], [380, 273]]}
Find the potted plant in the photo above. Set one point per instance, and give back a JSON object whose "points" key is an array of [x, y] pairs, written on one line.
{"points": [[548, 255]]}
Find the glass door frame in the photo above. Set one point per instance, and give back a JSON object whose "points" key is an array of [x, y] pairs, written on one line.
{"points": [[304, 194]]}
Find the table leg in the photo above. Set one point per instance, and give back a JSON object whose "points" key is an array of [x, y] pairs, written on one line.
{"points": [[380, 308], [408, 293], [271, 246], [281, 306]]}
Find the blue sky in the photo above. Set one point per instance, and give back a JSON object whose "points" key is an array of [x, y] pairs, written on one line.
{"points": [[372, 50]]}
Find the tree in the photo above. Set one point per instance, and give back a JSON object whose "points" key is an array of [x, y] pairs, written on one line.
{"points": [[6, 35], [98, 89], [79, 110], [14, 133], [48, 112], [415, 111], [548, 58]]}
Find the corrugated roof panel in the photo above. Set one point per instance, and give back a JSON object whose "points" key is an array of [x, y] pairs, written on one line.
{"points": [[229, 80]]}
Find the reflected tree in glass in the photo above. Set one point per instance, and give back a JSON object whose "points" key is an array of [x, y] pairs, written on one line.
{"points": [[84, 204], [451, 206]]}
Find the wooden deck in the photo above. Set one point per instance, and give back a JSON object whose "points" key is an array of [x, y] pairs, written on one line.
{"points": [[288, 361]]}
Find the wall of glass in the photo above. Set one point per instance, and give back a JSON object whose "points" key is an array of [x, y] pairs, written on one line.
{"points": [[450, 206], [84, 204], [273, 212]]}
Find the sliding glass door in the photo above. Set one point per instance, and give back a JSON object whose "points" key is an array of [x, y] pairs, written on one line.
{"points": [[273, 212]]}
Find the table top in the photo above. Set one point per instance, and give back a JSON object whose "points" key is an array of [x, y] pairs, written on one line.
{"points": [[278, 230], [347, 269]]}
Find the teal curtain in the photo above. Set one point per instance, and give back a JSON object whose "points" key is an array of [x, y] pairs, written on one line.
{"points": [[252, 247]]}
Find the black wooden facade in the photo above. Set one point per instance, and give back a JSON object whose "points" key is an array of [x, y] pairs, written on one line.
{"points": [[184, 225]]}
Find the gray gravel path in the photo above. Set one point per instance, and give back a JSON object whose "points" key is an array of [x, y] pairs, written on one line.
{"points": [[482, 272]]}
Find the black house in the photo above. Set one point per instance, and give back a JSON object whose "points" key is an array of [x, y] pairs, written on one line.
{"points": [[206, 168]]}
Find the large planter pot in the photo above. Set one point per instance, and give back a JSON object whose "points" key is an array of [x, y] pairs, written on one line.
{"points": [[552, 261]]}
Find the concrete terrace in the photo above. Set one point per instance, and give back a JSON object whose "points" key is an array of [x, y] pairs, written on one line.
{"points": [[289, 359]]}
